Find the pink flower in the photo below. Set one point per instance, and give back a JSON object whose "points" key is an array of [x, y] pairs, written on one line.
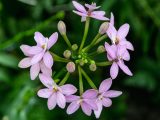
{"points": [[100, 15], [119, 37], [117, 54], [54, 93], [104, 95], [86, 101], [38, 57]]}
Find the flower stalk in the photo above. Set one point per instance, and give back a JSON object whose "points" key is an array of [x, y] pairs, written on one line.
{"points": [[64, 79], [80, 81], [101, 64]]}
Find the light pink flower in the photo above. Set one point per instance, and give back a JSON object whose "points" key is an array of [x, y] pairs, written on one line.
{"points": [[39, 57], [117, 54], [104, 95], [54, 93], [86, 102], [81, 10], [119, 37]]}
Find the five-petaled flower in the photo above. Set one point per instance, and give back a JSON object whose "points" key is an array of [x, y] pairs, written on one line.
{"points": [[39, 57], [54, 93], [100, 15]]}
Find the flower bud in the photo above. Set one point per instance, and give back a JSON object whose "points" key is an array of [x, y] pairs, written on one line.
{"points": [[67, 54], [103, 28], [81, 62], [74, 47], [100, 49], [93, 67], [62, 27], [70, 67]]}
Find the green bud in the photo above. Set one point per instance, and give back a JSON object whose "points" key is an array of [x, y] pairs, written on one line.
{"points": [[93, 67], [103, 28], [62, 27], [81, 62], [74, 47], [101, 49], [70, 67], [67, 54]]}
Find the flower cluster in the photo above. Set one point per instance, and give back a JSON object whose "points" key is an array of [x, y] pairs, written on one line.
{"points": [[40, 59]]}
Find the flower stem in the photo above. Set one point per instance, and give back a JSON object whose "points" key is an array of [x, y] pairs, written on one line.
{"points": [[60, 73], [88, 79], [103, 63], [92, 43], [80, 81], [85, 33], [100, 39], [58, 58], [64, 79], [67, 41]]}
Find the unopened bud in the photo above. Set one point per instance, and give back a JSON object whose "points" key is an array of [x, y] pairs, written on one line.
{"points": [[93, 67], [62, 27], [100, 49], [103, 28], [74, 47], [81, 62], [70, 67], [67, 54]]}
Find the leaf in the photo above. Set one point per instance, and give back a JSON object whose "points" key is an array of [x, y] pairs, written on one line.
{"points": [[4, 76], [29, 2]]}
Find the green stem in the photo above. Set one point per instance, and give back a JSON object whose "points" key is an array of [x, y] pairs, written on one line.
{"points": [[67, 41], [64, 79], [94, 54], [80, 81], [103, 63], [85, 33], [58, 58], [60, 73], [100, 39], [88, 79], [92, 43]]}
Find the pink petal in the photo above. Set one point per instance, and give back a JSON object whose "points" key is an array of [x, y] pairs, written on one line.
{"points": [[98, 112], [39, 38], [34, 71], [124, 68], [126, 56], [25, 63], [52, 40], [91, 103], [90, 94], [73, 107], [114, 70], [68, 89], [121, 50], [45, 70], [37, 58], [123, 31], [106, 102], [45, 93], [86, 109], [112, 19], [61, 100], [112, 93], [79, 7], [98, 13], [110, 51], [25, 49], [92, 7], [81, 14], [46, 80], [105, 85], [112, 33], [48, 60], [128, 44], [52, 101], [72, 98], [35, 50]]}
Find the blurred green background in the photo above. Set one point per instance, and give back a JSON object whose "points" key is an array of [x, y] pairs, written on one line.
{"points": [[19, 19]]}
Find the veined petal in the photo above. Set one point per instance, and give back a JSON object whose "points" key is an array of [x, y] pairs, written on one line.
{"points": [[112, 93], [68, 89], [73, 107], [112, 33], [45, 93], [52, 40], [25, 49], [105, 85], [80, 13], [128, 44], [90, 94], [126, 56], [35, 50], [39, 38], [52, 101], [46, 80], [61, 100], [114, 70], [34, 71], [91, 103], [25, 63], [106, 102], [98, 13], [37, 58], [112, 19], [110, 51], [79, 7], [98, 112], [44, 69], [86, 108], [124, 68], [123, 31], [48, 59], [72, 98], [92, 6], [98, 17]]}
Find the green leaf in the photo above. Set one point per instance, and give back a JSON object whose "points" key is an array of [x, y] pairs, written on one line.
{"points": [[4, 76]]}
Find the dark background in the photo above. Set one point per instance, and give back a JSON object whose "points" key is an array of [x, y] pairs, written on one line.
{"points": [[19, 19]]}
